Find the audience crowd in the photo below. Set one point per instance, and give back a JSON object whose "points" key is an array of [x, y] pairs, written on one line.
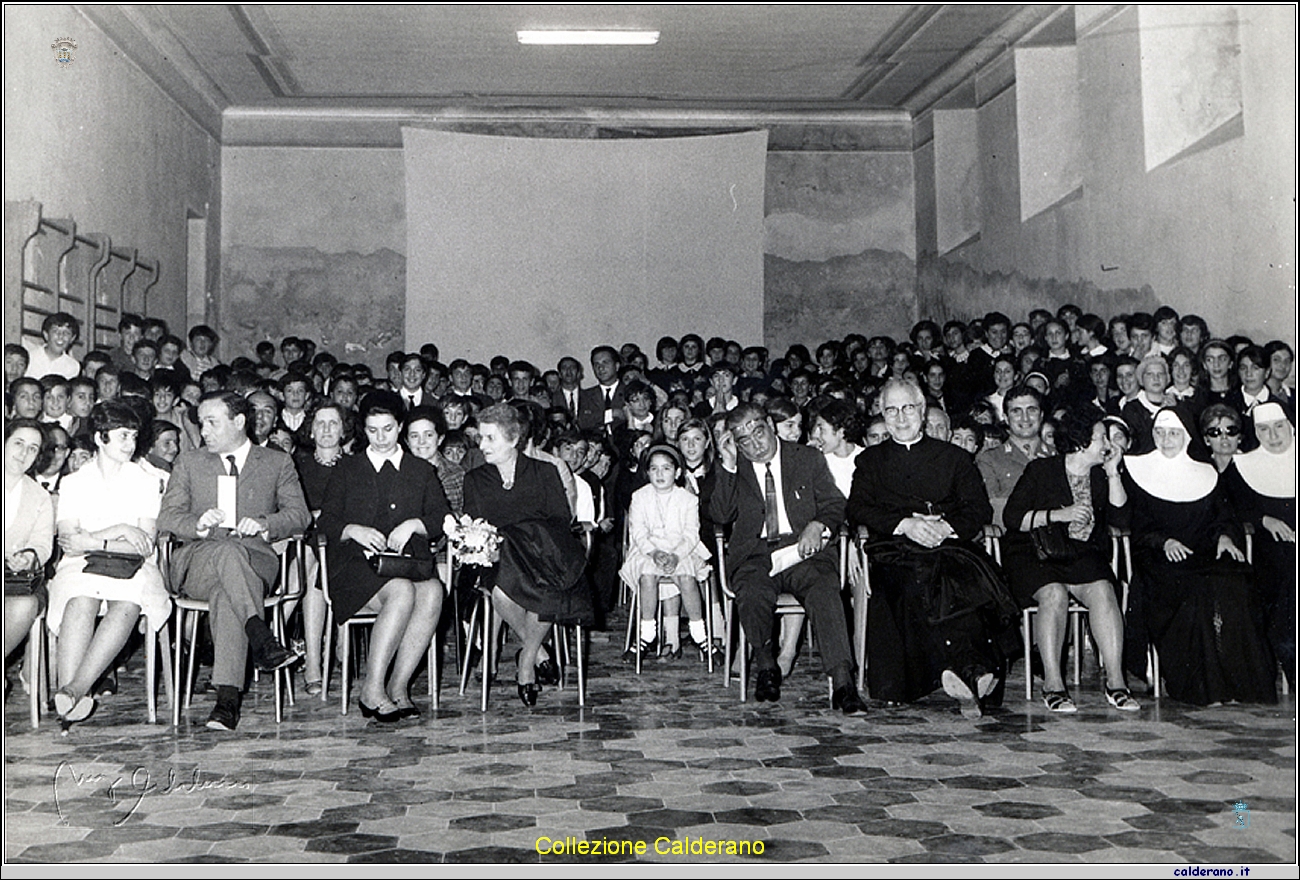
{"points": [[1033, 442]]}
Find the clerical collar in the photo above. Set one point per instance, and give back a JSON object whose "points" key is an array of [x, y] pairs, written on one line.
{"points": [[377, 460], [910, 443]]}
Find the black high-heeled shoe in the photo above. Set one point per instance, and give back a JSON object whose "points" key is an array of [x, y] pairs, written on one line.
{"points": [[528, 693], [374, 712]]}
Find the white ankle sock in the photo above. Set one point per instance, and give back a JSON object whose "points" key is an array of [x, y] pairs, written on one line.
{"points": [[649, 629], [699, 632]]}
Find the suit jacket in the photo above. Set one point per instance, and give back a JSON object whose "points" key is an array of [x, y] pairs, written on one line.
{"points": [[267, 490], [558, 399], [809, 490], [421, 399], [591, 406]]}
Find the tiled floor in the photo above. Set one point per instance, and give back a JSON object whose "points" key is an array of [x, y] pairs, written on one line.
{"points": [[668, 755]]}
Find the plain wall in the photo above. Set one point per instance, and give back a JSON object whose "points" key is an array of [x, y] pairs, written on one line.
{"points": [[99, 142], [1212, 232]]}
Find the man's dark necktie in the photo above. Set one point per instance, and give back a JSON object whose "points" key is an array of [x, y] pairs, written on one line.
{"points": [[773, 526], [234, 468]]}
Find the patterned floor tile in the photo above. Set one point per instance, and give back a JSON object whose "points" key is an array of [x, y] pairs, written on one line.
{"points": [[670, 755]]}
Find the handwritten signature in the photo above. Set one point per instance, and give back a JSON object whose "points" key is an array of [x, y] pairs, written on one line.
{"points": [[130, 789]]}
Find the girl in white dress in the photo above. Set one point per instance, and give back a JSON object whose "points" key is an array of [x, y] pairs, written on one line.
{"points": [[663, 525]]}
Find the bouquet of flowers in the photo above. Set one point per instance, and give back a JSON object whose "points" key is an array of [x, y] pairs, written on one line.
{"points": [[472, 541]]}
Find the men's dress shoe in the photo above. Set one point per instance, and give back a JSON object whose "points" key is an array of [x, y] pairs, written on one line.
{"points": [[768, 689], [275, 656], [961, 691], [846, 699], [225, 716]]}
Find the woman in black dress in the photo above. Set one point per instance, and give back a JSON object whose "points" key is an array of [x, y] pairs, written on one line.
{"points": [[1197, 595], [325, 432], [538, 579], [1080, 489], [384, 500]]}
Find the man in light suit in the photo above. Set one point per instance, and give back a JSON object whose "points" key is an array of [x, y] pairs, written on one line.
{"points": [[231, 563], [781, 500], [601, 406]]}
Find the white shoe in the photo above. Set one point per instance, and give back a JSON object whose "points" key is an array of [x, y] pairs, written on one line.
{"points": [[954, 687]]}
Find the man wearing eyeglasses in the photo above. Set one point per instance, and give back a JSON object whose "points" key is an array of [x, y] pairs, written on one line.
{"points": [[938, 603], [783, 503]]}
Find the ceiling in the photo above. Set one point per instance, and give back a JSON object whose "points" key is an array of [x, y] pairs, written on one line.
{"points": [[743, 58]]}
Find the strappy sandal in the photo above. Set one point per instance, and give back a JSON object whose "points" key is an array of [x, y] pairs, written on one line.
{"points": [[1060, 702], [1122, 700]]}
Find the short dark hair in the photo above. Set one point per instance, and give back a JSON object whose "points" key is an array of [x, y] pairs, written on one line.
{"points": [[108, 415], [61, 319], [1216, 411], [1074, 429], [13, 348], [236, 405], [381, 402], [129, 320], [663, 343], [607, 349], [425, 413], [205, 331], [1023, 390]]}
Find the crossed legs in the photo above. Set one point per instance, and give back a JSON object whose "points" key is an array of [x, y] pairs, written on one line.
{"points": [[531, 631]]}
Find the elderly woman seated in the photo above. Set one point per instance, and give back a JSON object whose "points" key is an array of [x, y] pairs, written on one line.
{"points": [[538, 578]]}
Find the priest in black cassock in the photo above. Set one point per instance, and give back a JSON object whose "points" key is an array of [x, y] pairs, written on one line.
{"points": [[939, 605]]}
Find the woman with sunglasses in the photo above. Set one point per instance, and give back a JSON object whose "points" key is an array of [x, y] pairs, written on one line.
{"points": [[1221, 427]]}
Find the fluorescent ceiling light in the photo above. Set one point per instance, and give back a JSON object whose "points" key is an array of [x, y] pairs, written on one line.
{"points": [[588, 38]]}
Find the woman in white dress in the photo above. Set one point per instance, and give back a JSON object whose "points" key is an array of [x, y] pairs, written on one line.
{"points": [[110, 504]]}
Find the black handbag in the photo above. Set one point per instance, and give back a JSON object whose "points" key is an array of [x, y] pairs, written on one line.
{"points": [[398, 565], [1052, 541], [109, 563], [22, 583]]}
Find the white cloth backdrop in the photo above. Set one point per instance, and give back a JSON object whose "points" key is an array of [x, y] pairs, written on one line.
{"points": [[536, 248]]}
